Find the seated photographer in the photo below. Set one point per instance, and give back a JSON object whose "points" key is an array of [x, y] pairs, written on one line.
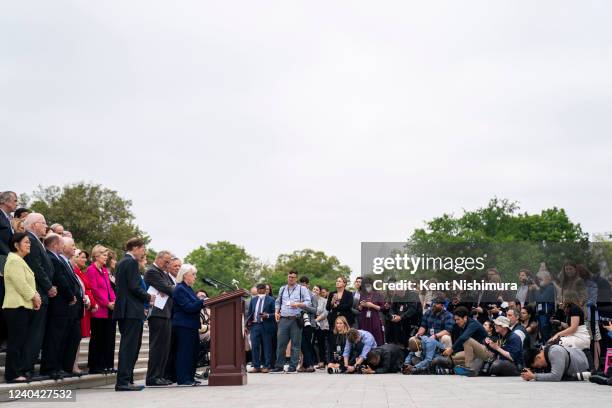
{"points": [[469, 345], [558, 363], [574, 332], [358, 345], [508, 350], [336, 349], [437, 322], [422, 352], [385, 359]]}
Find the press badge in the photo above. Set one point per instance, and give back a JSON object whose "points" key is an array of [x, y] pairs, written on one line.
{"points": [[368, 314]]}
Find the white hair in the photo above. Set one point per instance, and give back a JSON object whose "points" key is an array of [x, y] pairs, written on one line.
{"points": [[185, 268], [31, 219]]}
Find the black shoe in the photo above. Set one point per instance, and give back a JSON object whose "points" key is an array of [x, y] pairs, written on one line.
{"points": [[277, 370], [27, 380], [601, 380], [291, 370], [168, 382], [197, 382], [38, 377], [66, 374], [129, 387], [158, 382], [96, 371], [56, 376], [189, 384]]}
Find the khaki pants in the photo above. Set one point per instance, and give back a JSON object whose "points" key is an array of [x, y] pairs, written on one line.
{"points": [[471, 350]]}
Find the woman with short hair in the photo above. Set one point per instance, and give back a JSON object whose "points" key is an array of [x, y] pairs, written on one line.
{"points": [[101, 356], [20, 301], [186, 324], [79, 264]]}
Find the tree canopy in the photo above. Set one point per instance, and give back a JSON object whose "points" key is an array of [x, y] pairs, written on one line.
{"points": [[92, 213]]}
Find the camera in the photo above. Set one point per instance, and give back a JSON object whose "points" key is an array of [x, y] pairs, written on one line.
{"points": [[306, 319], [336, 370]]}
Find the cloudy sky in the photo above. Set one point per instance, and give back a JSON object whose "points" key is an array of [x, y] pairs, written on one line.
{"points": [[281, 125]]}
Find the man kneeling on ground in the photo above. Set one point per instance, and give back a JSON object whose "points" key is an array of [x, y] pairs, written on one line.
{"points": [[423, 350], [358, 345], [385, 359]]}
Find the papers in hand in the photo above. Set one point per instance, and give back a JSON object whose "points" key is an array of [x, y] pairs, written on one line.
{"points": [[160, 298]]}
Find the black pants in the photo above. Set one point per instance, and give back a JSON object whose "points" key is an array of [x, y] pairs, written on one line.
{"points": [[160, 332], [19, 323], [101, 353], [308, 351], [321, 341], [62, 338], [129, 347], [34, 341], [187, 348], [170, 373], [3, 326]]}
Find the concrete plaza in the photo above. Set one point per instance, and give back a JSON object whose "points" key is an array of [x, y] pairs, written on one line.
{"points": [[369, 391]]}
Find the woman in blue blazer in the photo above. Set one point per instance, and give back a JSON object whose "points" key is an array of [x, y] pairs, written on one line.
{"points": [[186, 323]]}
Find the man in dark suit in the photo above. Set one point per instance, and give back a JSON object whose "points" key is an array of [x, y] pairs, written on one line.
{"points": [[260, 317], [160, 320], [8, 204], [130, 312], [62, 336], [41, 265]]}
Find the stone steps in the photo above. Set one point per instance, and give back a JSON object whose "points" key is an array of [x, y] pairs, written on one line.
{"points": [[86, 381]]}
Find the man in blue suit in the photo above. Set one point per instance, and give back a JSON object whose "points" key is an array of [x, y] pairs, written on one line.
{"points": [[263, 326]]}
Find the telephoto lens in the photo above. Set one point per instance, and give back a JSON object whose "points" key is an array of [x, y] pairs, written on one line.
{"points": [[335, 370]]}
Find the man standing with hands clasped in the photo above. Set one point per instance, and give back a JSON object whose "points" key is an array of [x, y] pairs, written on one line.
{"points": [[129, 312]]}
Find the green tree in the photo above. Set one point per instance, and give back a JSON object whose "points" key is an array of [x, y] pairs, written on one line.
{"points": [[92, 213], [513, 239], [320, 268], [225, 262]]}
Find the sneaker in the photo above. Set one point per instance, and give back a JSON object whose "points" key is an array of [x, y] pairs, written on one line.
{"points": [[467, 372], [291, 370], [277, 370]]}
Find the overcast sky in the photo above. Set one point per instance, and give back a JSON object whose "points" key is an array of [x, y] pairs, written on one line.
{"points": [[281, 125]]}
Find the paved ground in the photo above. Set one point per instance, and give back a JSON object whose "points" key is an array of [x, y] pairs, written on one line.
{"points": [[323, 390]]}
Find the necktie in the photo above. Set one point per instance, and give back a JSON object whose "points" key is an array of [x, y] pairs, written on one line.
{"points": [[258, 309], [73, 275]]}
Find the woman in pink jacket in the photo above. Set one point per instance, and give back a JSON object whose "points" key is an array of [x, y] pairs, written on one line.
{"points": [[101, 356]]}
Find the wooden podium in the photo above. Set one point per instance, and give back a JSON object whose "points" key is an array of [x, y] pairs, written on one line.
{"points": [[227, 365]]}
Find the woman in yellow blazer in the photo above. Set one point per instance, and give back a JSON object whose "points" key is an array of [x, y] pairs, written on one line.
{"points": [[20, 302]]}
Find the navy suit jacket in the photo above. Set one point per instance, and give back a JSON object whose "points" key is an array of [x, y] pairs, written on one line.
{"points": [[41, 265], [268, 307], [131, 296], [6, 234], [67, 291], [187, 307]]}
